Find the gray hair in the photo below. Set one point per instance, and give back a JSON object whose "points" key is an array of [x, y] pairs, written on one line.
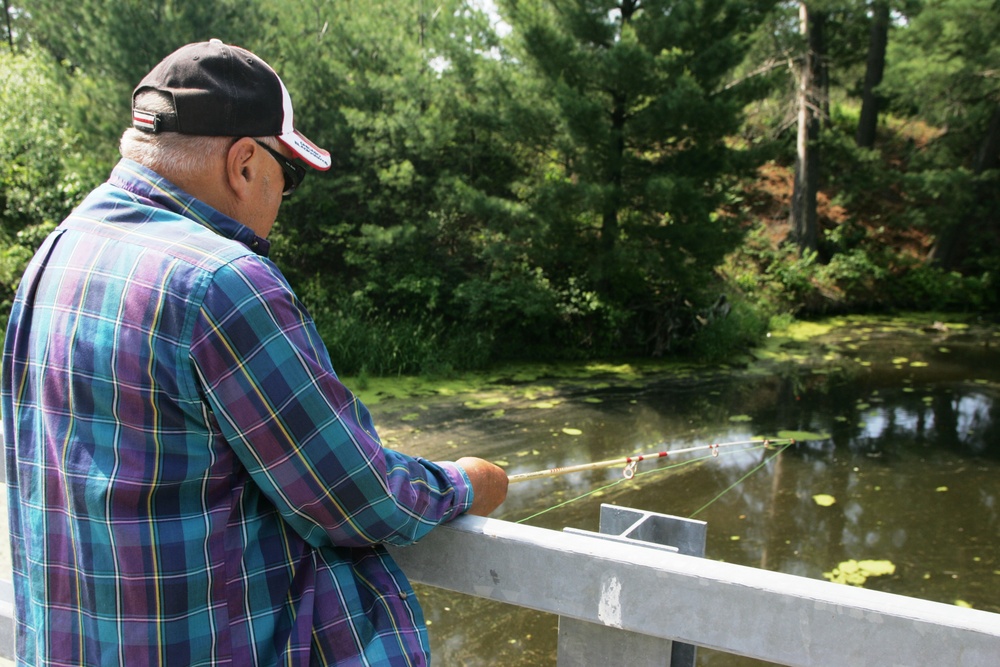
{"points": [[172, 154]]}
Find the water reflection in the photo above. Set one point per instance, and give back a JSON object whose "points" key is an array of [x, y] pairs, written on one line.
{"points": [[912, 460]]}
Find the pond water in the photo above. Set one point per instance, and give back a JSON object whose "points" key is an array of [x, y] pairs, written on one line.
{"points": [[897, 461]]}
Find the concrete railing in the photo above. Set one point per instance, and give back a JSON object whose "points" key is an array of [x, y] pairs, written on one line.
{"points": [[624, 599], [635, 597]]}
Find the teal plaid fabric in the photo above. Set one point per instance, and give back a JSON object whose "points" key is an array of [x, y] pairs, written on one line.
{"points": [[189, 482]]}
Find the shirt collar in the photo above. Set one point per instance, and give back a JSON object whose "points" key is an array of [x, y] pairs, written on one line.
{"points": [[146, 183]]}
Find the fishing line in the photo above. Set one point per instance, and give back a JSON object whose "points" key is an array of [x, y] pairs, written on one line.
{"points": [[631, 462], [740, 480], [573, 500], [674, 466]]}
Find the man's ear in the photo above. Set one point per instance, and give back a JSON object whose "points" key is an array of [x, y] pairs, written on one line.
{"points": [[241, 168]]}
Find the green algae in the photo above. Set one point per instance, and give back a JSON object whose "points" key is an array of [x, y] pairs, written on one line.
{"points": [[802, 436], [485, 402], [832, 346], [856, 573]]}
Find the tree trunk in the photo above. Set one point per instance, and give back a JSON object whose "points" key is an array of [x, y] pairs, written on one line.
{"points": [[615, 164], [988, 156], [820, 66], [805, 227], [875, 67], [616, 153], [10, 33]]}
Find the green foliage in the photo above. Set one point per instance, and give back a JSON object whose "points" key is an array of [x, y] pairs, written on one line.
{"points": [[576, 189], [38, 182], [942, 63], [780, 279], [930, 288], [738, 329], [945, 72], [637, 159], [418, 214], [35, 186], [363, 341]]}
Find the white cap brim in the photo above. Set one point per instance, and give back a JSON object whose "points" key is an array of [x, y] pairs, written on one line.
{"points": [[309, 152], [306, 150]]}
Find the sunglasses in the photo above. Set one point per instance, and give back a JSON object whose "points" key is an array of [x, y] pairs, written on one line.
{"points": [[293, 173]]}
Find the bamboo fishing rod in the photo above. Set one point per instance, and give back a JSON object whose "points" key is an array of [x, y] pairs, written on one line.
{"points": [[631, 462]]}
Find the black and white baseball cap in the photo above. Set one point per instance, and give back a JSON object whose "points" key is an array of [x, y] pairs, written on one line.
{"points": [[224, 91]]}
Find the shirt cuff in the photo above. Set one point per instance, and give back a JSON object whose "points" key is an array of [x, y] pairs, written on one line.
{"points": [[463, 486]]}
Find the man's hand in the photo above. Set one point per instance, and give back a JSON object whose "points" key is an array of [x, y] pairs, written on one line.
{"points": [[489, 484]]}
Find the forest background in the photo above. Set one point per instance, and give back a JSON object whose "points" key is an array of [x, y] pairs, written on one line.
{"points": [[563, 179]]}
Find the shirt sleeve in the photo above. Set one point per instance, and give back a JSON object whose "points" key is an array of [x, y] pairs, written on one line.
{"points": [[305, 439]]}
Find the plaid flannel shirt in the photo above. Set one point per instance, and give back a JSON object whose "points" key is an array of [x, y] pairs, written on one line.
{"points": [[189, 483]]}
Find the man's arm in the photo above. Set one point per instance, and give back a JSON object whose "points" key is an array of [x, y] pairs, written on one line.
{"points": [[306, 440]]}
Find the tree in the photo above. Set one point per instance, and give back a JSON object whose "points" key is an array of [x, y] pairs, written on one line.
{"points": [[107, 46], [809, 102], [945, 65], [37, 186], [638, 164], [8, 30], [874, 69], [415, 232]]}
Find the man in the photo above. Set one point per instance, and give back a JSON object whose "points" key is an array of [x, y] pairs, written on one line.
{"points": [[189, 482]]}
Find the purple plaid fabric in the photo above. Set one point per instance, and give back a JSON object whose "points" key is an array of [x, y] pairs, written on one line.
{"points": [[189, 483]]}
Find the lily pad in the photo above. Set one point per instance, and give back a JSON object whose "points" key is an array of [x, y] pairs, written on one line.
{"points": [[484, 403], [572, 431], [802, 435], [741, 418], [824, 499], [856, 573]]}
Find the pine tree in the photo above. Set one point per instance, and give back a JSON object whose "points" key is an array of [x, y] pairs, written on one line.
{"points": [[943, 67], [638, 163]]}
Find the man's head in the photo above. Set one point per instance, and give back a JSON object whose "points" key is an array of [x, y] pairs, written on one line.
{"points": [[218, 121]]}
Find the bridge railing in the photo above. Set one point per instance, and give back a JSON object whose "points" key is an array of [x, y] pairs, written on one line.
{"points": [[627, 600], [634, 598]]}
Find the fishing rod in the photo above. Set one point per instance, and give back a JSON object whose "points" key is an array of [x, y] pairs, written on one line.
{"points": [[631, 462]]}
